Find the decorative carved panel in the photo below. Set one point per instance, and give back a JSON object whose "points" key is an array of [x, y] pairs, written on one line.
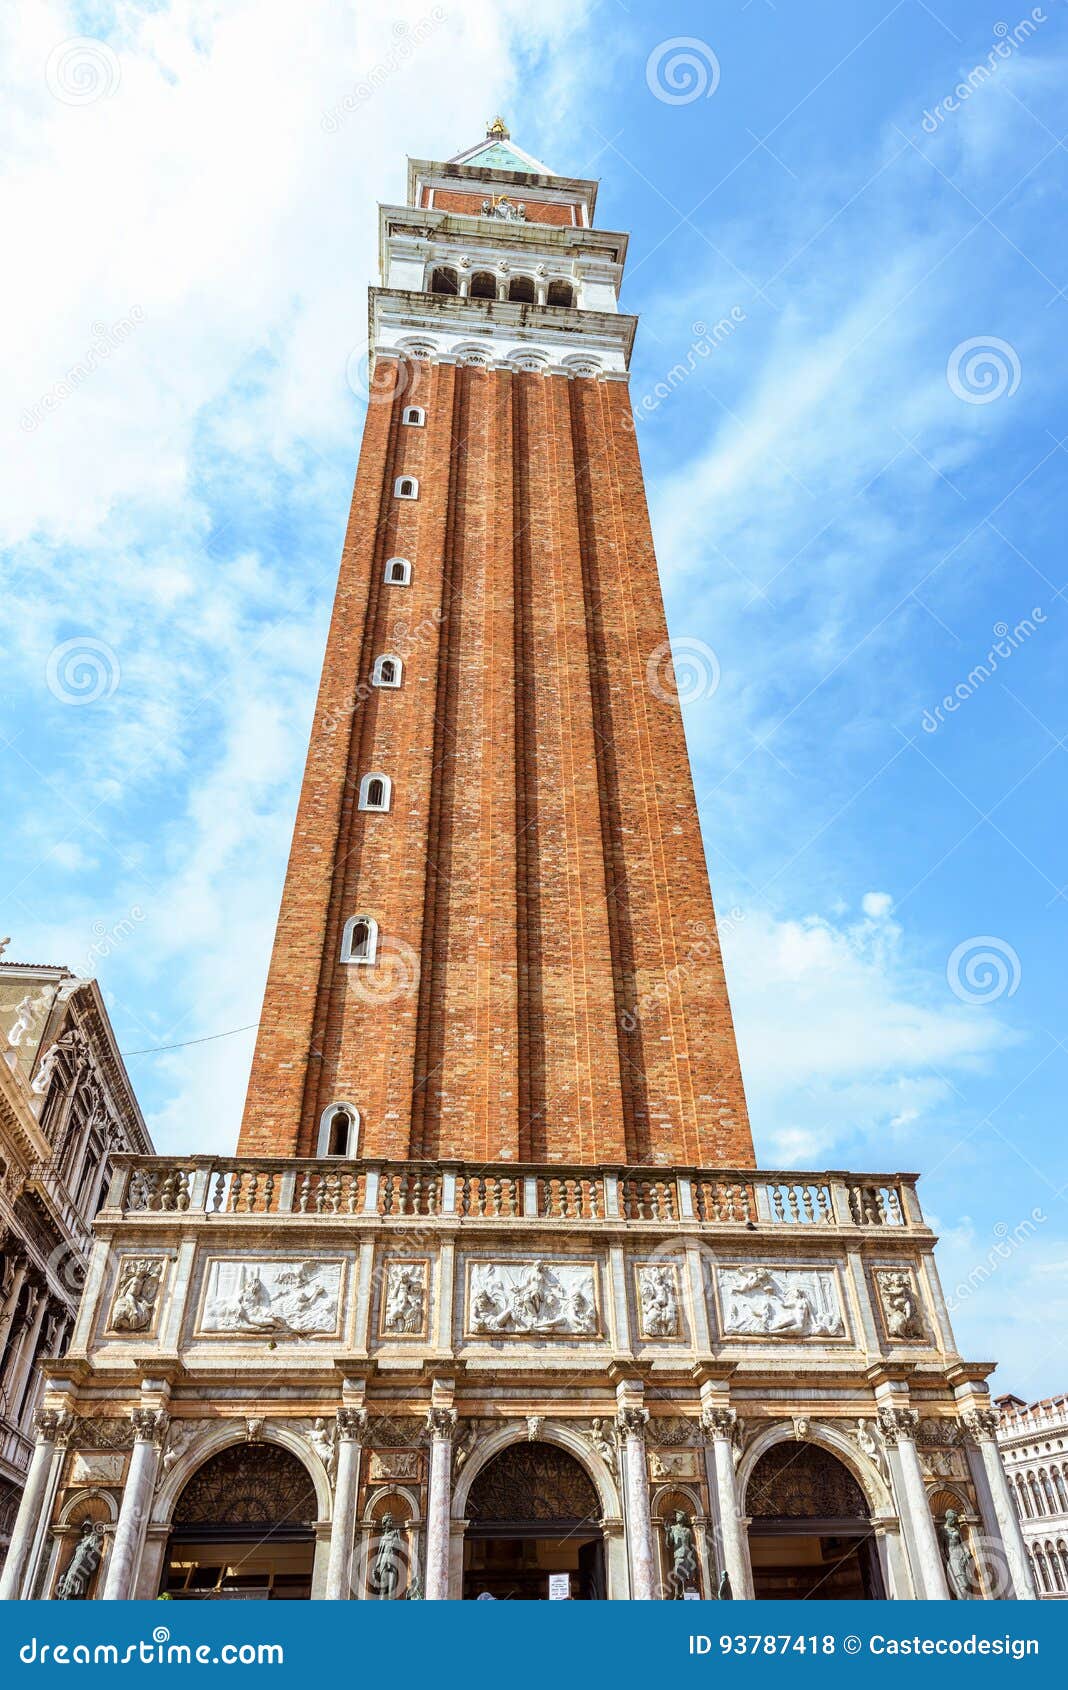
{"points": [[251, 1484], [300, 1296], [780, 1302], [536, 1298], [672, 1429], [803, 1482], [102, 1431], [533, 1482]]}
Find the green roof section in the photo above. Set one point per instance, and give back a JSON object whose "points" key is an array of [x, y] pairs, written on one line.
{"points": [[498, 155]]}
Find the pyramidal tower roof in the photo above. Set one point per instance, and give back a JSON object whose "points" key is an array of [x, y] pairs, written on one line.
{"points": [[499, 152]]}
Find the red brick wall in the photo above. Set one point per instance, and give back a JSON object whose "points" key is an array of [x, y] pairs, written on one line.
{"points": [[537, 211], [550, 985]]}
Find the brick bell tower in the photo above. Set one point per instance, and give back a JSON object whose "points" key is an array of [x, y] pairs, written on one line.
{"points": [[493, 1300], [496, 939]]}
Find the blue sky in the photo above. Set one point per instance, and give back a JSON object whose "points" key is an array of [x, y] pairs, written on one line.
{"points": [[857, 491]]}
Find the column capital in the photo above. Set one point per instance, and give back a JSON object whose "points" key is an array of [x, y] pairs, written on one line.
{"points": [[898, 1424], [351, 1424], [719, 1422], [632, 1420], [150, 1425], [441, 1424], [53, 1425], [981, 1423]]}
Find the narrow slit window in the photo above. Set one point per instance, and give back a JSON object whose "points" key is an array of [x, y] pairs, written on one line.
{"points": [[414, 416], [375, 792], [387, 672], [360, 939], [398, 572], [406, 487]]}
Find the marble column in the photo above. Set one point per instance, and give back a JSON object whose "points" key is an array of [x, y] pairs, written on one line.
{"points": [[898, 1427], [22, 1351], [10, 1303], [17, 1573], [350, 1425], [441, 1423], [150, 1430], [982, 1424], [719, 1425], [632, 1423]]}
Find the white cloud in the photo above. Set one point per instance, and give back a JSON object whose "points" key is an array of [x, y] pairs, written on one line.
{"points": [[844, 1041], [196, 249]]}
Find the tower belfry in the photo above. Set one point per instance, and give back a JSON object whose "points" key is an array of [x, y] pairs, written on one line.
{"points": [[493, 1299]]}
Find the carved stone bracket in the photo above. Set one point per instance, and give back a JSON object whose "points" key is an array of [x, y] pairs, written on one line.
{"points": [[898, 1423]]}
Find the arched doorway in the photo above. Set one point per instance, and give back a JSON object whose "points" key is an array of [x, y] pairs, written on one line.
{"points": [[810, 1533], [243, 1527], [534, 1528]]}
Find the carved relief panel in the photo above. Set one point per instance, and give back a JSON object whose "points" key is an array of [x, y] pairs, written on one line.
{"points": [[138, 1296], [779, 1302], [658, 1299], [284, 1297], [536, 1298], [405, 1299], [899, 1305]]}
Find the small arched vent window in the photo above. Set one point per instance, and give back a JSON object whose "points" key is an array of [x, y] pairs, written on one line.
{"points": [[387, 672], [561, 293], [359, 942], [406, 487], [376, 792], [339, 1130], [521, 289], [398, 571], [414, 416], [483, 285], [444, 280]]}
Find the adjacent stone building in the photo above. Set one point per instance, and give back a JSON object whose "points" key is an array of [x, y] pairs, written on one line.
{"points": [[66, 1110], [493, 1299], [1034, 1447]]}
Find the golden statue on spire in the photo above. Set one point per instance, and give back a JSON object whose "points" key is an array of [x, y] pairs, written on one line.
{"points": [[498, 130]]}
